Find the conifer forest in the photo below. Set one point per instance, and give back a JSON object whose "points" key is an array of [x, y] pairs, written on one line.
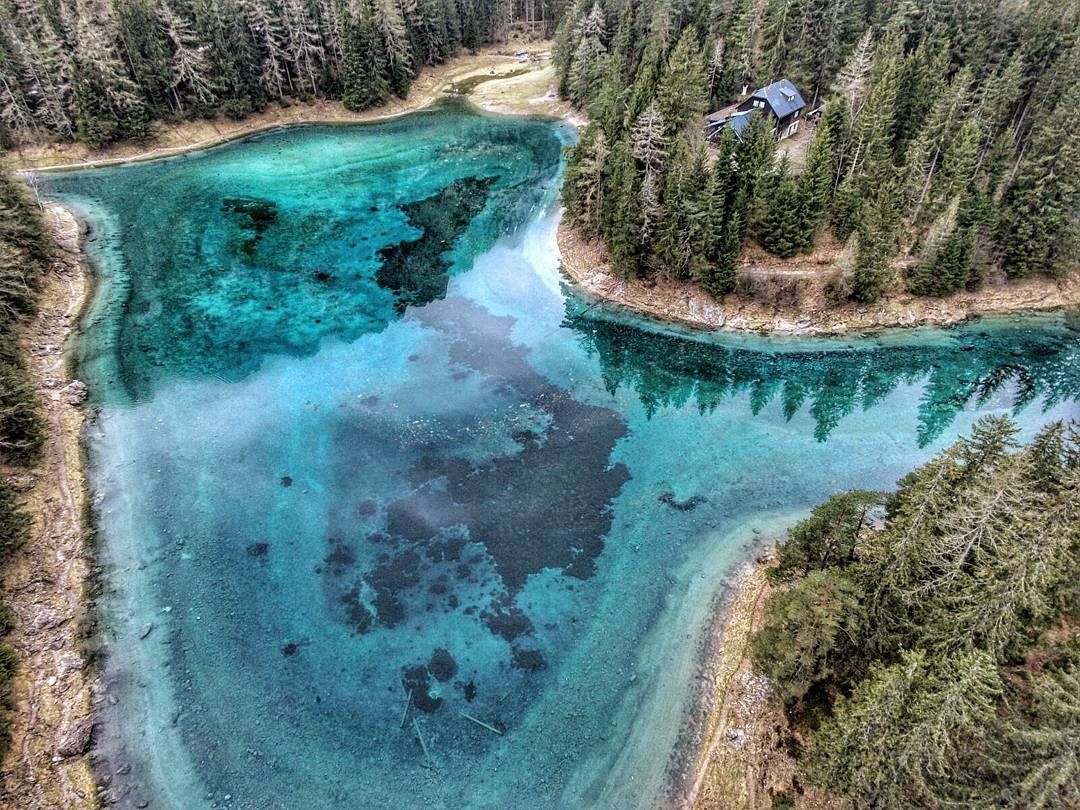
{"points": [[944, 135]]}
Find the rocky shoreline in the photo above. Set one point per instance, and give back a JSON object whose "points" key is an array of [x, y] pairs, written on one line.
{"points": [[585, 263], [47, 583]]}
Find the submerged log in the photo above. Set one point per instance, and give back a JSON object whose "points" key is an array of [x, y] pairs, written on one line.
{"points": [[482, 724]]}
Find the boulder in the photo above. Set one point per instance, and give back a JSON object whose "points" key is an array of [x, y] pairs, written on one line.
{"points": [[75, 739]]}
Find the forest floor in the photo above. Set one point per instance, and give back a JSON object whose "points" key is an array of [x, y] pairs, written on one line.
{"points": [[46, 584], [790, 296], [493, 79]]}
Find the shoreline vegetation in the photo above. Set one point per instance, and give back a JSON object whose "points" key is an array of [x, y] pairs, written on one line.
{"points": [[965, 692], [920, 647], [46, 583], [908, 162], [805, 312], [742, 762], [492, 79]]}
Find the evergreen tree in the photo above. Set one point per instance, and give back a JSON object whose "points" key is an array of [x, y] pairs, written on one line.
{"points": [[589, 65], [1037, 224], [814, 188], [681, 93], [108, 103], [780, 230], [623, 221], [874, 249], [928, 150], [189, 70], [583, 188], [948, 268], [809, 634], [904, 730], [920, 636]]}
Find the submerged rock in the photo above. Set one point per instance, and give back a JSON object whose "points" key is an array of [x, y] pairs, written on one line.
{"points": [[417, 681], [529, 660], [689, 505], [442, 665]]}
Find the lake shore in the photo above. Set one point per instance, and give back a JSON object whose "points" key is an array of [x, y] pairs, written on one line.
{"points": [[47, 584], [727, 683], [54, 688], [586, 264], [743, 761], [491, 79]]}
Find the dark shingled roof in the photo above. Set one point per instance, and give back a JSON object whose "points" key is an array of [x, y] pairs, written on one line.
{"points": [[739, 122], [736, 121], [781, 96]]}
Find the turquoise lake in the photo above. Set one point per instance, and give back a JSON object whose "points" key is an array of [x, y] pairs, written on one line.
{"points": [[362, 464]]}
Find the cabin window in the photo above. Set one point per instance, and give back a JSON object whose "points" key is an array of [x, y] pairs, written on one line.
{"points": [[758, 103]]}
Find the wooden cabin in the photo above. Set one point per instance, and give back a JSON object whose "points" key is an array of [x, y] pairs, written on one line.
{"points": [[779, 102]]}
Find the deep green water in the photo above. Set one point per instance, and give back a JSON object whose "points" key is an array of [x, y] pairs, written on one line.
{"points": [[359, 449]]}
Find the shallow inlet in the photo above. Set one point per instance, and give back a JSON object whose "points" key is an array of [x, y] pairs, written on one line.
{"points": [[364, 466]]}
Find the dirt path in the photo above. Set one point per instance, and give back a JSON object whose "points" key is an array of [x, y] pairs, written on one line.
{"points": [[46, 584], [510, 85], [586, 263]]}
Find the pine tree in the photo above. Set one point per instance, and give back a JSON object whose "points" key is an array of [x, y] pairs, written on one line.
{"points": [[583, 188], [780, 230], [269, 38], [303, 44], [815, 186], [189, 69], [355, 77], [718, 277], [681, 91], [928, 150], [394, 36], [107, 101], [48, 69], [809, 632], [948, 268], [1034, 228], [875, 246], [901, 736], [718, 76], [825, 31], [623, 204], [648, 140], [589, 64]]}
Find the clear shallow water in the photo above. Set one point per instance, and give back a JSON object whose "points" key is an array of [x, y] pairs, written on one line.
{"points": [[358, 448]]}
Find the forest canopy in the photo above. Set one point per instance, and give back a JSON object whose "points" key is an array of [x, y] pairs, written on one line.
{"points": [[946, 137], [926, 643], [99, 70]]}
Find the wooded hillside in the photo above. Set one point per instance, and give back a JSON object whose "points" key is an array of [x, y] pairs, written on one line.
{"points": [[24, 251], [948, 136], [926, 643]]}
